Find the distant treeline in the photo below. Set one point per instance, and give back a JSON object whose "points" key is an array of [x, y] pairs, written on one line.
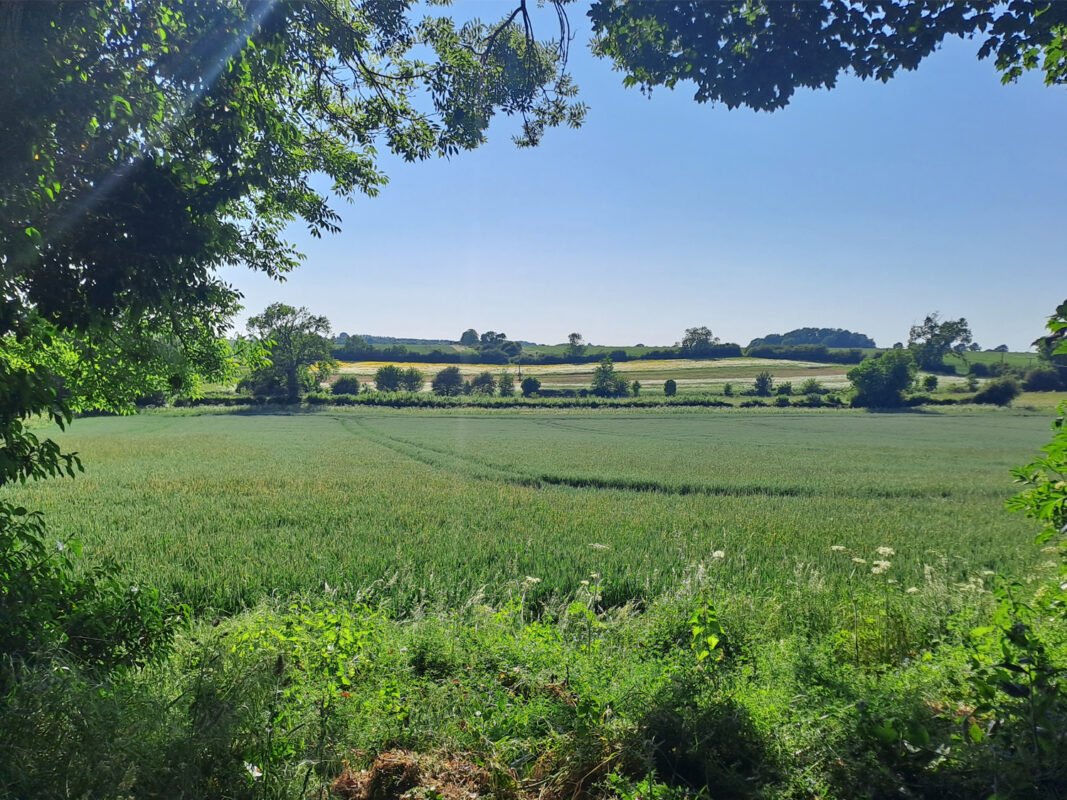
{"points": [[827, 337], [400, 353], [361, 351], [806, 352]]}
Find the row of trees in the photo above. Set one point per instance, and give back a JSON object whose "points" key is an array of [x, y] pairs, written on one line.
{"points": [[301, 357]]}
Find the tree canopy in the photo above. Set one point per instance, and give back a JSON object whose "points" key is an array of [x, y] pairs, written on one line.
{"points": [[698, 341], [296, 340], [827, 337], [934, 338], [757, 54]]}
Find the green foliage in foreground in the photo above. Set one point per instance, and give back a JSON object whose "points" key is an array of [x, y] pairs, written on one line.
{"points": [[687, 697]]}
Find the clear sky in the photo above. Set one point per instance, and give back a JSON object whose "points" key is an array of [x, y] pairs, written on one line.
{"points": [[865, 208]]}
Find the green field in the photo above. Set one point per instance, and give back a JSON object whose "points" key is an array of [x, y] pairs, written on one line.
{"points": [[223, 509]]}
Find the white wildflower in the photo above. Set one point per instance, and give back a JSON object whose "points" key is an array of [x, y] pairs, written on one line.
{"points": [[838, 548], [886, 552], [599, 546], [911, 590], [718, 554], [254, 771], [857, 560]]}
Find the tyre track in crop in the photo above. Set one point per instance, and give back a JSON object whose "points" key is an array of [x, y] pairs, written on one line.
{"points": [[484, 470]]}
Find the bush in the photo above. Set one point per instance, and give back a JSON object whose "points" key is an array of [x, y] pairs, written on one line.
{"points": [[980, 370], [47, 605], [999, 392], [728, 390], [670, 388], [930, 383], [635, 388], [781, 400], [530, 386], [1042, 379], [764, 384], [811, 386], [345, 385], [785, 388]]}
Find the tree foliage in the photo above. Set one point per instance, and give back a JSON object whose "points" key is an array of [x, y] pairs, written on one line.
{"points": [[764, 384], [296, 340], [826, 337], [698, 341], [757, 54], [448, 382], [575, 344], [483, 383], [411, 380], [880, 381], [935, 338], [387, 378], [469, 338], [607, 382], [530, 386]]}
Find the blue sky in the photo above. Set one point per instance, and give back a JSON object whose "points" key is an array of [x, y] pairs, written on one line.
{"points": [[865, 207]]}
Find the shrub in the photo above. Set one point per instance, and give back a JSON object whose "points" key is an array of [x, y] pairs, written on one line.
{"points": [[635, 388], [980, 370], [930, 383], [811, 386], [345, 385], [530, 386], [781, 400], [448, 382], [999, 392], [670, 387], [764, 384], [785, 388], [728, 390], [1043, 379]]}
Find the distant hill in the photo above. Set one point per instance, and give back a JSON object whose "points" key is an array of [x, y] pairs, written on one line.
{"points": [[827, 337]]}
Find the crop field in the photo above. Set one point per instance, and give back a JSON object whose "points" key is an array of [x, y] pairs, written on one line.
{"points": [[223, 509], [689, 374]]}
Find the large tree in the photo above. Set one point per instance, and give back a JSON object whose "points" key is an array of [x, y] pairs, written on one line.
{"points": [[150, 143], [934, 338], [296, 340], [698, 341]]}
